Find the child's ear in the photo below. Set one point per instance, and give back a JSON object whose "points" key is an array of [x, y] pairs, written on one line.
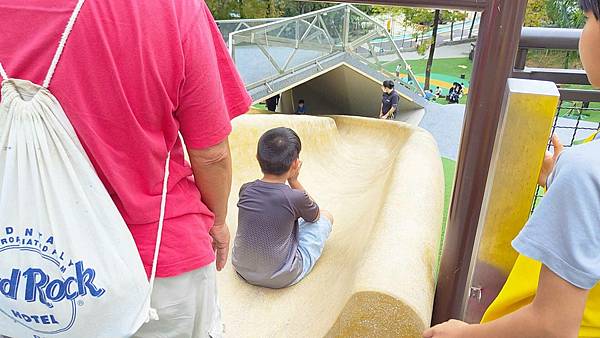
{"points": [[296, 163]]}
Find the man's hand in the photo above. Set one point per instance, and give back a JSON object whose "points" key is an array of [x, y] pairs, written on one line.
{"points": [[220, 236], [384, 117], [449, 329], [550, 161]]}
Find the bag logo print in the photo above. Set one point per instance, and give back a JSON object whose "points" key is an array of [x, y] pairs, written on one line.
{"points": [[57, 284]]}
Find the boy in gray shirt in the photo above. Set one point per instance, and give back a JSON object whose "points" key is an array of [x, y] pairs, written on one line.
{"points": [[281, 230]]}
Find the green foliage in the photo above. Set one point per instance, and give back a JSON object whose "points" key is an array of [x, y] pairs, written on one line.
{"points": [[255, 9], [422, 48], [235, 9], [295, 8], [454, 16], [565, 13], [537, 15]]}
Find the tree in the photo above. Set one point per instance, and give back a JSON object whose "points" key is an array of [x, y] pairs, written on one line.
{"points": [[536, 14], [453, 16], [436, 22], [564, 13]]}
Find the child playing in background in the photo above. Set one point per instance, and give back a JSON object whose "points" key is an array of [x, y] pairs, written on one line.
{"points": [[301, 109], [281, 230]]}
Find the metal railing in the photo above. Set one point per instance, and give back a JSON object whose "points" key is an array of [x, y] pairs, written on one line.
{"points": [[458, 32], [287, 45], [578, 113], [227, 27]]}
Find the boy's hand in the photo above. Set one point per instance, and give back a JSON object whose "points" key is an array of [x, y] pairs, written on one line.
{"points": [[449, 329], [296, 173], [550, 161], [220, 243]]}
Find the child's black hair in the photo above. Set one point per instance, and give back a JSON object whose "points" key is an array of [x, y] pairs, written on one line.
{"points": [[389, 84], [277, 149], [591, 6], [301, 101]]}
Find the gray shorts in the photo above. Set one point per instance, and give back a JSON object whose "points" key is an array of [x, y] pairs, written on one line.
{"points": [[187, 306], [311, 241]]}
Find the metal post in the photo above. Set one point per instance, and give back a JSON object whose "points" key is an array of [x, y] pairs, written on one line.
{"points": [[462, 31], [297, 32], [346, 27], [521, 61], [498, 40], [473, 25]]}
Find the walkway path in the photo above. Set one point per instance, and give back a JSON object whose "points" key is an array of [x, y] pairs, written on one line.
{"points": [[445, 123]]}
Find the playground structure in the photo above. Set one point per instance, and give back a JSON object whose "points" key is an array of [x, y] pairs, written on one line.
{"points": [[504, 118], [326, 57], [383, 182]]}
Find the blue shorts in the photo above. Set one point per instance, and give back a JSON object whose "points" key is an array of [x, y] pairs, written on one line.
{"points": [[311, 240]]}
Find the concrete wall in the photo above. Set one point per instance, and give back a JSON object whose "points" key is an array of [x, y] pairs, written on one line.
{"points": [[341, 91]]}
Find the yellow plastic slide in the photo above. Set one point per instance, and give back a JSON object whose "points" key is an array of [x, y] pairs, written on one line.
{"points": [[383, 182]]}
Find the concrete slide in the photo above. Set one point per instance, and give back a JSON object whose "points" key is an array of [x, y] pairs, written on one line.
{"points": [[383, 182]]}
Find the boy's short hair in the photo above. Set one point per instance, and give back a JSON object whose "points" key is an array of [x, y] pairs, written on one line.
{"points": [[389, 84], [277, 149], [300, 101], [591, 6]]}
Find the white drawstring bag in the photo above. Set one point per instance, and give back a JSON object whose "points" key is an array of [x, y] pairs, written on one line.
{"points": [[68, 264]]}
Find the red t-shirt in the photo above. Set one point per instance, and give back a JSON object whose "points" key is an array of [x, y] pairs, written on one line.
{"points": [[132, 76]]}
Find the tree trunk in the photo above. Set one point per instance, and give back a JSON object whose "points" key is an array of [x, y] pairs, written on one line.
{"points": [[241, 9], [272, 9], [472, 24], [436, 23], [452, 30]]}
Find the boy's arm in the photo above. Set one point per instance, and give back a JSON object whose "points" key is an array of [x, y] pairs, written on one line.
{"points": [[556, 311], [550, 162], [305, 206], [296, 185]]}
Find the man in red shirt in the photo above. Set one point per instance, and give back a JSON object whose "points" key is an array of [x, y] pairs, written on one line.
{"points": [[133, 76]]}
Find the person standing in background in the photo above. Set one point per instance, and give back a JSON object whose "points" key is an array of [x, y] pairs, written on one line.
{"points": [[389, 100]]}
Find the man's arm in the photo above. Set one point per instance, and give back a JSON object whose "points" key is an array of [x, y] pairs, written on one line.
{"points": [[212, 174], [381, 111], [394, 100], [389, 113], [556, 311]]}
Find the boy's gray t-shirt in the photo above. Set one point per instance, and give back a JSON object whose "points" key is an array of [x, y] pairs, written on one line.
{"points": [[265, 250], [564, 231]]}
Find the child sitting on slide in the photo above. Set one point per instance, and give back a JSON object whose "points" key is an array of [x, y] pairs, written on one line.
{"points": [[281, 230]]}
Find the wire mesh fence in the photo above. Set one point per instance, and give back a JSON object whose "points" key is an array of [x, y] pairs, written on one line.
{"points": [[574, 123]]}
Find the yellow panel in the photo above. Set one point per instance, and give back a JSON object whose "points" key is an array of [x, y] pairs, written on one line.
{"points": [[520, 146]]}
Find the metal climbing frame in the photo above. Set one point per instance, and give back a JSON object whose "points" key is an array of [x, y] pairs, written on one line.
{"points": [[291, 44], [579, 108]]}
